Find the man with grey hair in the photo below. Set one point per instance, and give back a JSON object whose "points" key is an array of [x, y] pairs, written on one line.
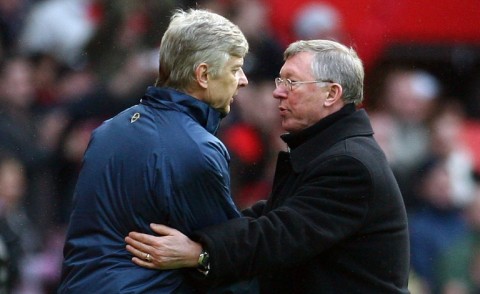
{"points": [[335, 221], [158, 161]]}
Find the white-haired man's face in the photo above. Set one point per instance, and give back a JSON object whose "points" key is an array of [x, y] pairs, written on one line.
{"points": [[222, 89]]}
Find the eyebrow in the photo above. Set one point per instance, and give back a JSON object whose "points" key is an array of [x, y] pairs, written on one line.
{"points": [[236, 66]]}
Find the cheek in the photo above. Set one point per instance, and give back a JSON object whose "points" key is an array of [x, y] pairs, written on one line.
{"points": [[303, 105], [309, 111], [234, 83], [294, 101], [229, 84], [233, 86]]}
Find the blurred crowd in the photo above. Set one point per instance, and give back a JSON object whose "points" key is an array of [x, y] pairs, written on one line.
{"points": [[67, 65]]}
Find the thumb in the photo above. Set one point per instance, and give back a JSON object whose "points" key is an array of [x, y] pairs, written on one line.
{"points": [[162, 230]]}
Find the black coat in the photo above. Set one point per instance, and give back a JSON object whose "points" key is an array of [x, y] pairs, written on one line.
{"points": [[334, 223]]}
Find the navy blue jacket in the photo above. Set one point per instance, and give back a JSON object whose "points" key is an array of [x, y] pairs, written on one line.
{"points": [[156, 162]]}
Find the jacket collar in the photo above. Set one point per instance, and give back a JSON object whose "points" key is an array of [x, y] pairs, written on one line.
{"points": [[350, 125], [168, 98], [294, 140]]}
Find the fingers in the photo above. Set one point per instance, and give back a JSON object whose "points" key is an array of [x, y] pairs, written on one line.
{"points": [[163, 230], [137, 243], [143, 263], [139, 258], [139, 253], [158, 247], [142, 238]]}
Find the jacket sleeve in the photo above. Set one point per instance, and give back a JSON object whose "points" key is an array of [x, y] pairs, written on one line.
{"points": [[256, 210], [201, 189], [328, 205]]}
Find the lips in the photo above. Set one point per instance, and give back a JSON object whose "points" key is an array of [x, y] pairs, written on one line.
{"points": [[282, 110]]}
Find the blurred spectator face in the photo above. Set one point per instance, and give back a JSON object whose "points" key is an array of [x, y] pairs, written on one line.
{"points": [[445, 131], [318, 21], [77, 139], [435, 187], [382, 125], [473, 210], [220, 7], [12, 183], [8, 7], [250, 17], [73, 85], [45, 72], [410, 95], [16, 84]]}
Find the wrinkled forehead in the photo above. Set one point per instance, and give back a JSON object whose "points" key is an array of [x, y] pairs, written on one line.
{"points": [[299, 64]]}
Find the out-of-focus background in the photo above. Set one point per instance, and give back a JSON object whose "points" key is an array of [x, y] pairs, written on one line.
{"points": [[67, 65]]}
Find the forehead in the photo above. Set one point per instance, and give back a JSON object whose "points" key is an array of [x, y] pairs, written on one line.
{"points": [[299, 64]]}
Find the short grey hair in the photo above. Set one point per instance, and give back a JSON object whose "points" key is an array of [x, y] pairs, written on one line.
{"points": [[193, 37], [335, 62]]}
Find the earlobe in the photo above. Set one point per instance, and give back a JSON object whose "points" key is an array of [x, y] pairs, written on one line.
{"points": [[329, 101]]}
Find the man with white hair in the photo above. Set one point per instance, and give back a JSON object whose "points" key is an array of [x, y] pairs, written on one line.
{"points": [[158, 161]]}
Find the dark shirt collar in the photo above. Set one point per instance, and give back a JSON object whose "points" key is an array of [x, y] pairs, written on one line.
{"points": [[168, 98], [294, 140]]}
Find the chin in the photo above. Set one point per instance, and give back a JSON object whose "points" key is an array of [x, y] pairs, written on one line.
{"points": [[225, 111], [288, 128]]}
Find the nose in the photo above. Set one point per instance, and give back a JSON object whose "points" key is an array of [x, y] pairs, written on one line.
{"points": [[279, 93], [242, 81]]}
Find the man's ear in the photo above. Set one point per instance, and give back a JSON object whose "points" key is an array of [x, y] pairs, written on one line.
{"points": [[201, 75], [334, 95]]}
